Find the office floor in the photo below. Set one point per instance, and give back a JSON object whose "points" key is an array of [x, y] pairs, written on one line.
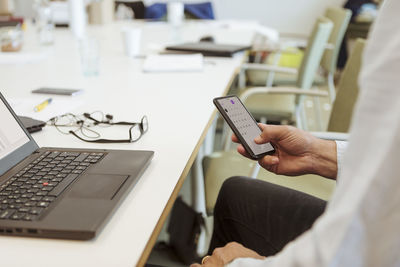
{"points": [[165, 257]]}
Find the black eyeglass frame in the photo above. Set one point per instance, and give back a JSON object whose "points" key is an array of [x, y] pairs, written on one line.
{"points": [[144, 121]]}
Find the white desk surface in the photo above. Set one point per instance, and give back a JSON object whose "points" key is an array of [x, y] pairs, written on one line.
{"points": [[178, 105]]}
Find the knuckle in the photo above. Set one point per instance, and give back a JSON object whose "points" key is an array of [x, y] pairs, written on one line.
{"points": [[289, 128], [217, 251], [232, 245]]}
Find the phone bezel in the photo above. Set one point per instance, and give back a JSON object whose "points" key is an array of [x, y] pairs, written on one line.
{"points": [[236, 131]]}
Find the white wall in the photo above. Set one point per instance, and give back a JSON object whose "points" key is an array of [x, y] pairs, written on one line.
{"points": [[290, 16]]}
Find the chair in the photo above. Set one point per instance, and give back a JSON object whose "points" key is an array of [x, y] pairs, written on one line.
{"points": [[223, 164], [158, 11], [340, 18], [284, 103]]}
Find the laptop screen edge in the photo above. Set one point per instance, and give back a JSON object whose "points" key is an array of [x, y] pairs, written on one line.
{"points": [[20, 153]]}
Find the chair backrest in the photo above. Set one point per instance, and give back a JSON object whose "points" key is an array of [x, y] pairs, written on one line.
{"points": [[340, 18], [346, 97], [313, 54]]}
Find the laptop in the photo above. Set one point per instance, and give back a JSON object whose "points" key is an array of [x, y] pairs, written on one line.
{"points": [[209, 49], [60, 193]]}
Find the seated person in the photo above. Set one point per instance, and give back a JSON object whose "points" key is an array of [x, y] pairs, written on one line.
{"points": [[263, 216], [260, 224]]}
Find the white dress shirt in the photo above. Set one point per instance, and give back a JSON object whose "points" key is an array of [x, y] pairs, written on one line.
{"points": [[361, 225]]}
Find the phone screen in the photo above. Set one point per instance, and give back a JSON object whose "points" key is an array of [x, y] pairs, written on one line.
{"points": [[243, 124]]}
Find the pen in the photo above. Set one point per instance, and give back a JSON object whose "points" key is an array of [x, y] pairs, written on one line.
{"points": [[42, 105]]}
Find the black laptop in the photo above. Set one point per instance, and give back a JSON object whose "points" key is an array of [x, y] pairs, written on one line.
{"points": [[209, 48], [56, 192]]}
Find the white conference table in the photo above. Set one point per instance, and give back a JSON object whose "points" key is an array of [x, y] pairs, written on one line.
{"points": [[179, 108]]}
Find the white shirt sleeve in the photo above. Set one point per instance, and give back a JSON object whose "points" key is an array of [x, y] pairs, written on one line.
{"points": [[360, 227]]}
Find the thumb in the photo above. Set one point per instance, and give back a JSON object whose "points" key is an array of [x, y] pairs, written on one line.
{"points": [[269, 133]]}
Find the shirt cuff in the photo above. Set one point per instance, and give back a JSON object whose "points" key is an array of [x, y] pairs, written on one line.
{"points": [[340, 149]]}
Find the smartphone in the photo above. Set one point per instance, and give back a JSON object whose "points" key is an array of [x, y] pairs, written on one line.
{"points": [[243, 125], [57, 91]]}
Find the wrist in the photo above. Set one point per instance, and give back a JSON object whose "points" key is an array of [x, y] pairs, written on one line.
{"points": [[324, 158]]}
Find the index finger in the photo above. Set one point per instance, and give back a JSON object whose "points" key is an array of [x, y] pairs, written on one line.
{"points": [[234, 138]]}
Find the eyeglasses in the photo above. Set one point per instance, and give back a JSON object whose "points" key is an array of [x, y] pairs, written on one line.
{"points": [[83, 124]]}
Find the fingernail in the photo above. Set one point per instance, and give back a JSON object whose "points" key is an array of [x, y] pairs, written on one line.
{"points": [[258, 139], [274, 160]]}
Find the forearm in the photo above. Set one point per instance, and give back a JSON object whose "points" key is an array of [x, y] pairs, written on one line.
{"points": [[324, 158]]}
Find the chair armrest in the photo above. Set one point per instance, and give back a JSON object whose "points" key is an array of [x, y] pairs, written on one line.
{"points": [[301, 44], [281, 90], [293, 35], [276, 48], [265, 67], [284, 44], [331, 135]]}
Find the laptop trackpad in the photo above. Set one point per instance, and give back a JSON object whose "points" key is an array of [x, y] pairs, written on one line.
{"points": [[99, 186]]}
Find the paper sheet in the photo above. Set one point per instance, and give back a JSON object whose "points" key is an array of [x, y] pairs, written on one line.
{"points": [[24, 107], [173, 63]]}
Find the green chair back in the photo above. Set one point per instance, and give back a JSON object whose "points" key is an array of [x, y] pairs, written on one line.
{"points": [[313, 54], [346, 97], [340, 18]]}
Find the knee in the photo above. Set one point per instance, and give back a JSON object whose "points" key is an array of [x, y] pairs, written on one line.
{"points": [[232, 185], [230, 190]]}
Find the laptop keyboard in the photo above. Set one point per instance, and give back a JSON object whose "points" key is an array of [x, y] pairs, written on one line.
{"points": [[27, 194]]}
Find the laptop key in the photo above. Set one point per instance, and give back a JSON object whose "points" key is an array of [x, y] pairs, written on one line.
{"points": [[47, 188], [21, 200], [6, 214], [53, 154], [36, 210], [62, 185], [49, 199], [33, 190], [43, 204], [30, 217], [81, 157], [24, 209], [15, 206], [36, 198], [17, 216], [30, 204]]}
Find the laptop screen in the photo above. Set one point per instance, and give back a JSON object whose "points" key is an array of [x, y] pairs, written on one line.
{"points": [[12, 136], [15, 142]]}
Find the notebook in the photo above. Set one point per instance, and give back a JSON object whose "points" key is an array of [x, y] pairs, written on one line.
{"points": [[209, 48], [173, 63], [62, 193]]}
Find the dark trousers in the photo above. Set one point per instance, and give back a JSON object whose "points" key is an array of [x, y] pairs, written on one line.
{"points": [[261, 216]]}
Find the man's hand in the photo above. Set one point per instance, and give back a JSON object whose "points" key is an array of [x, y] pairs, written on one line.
{"points": [[296, 152], [224, 255]]}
